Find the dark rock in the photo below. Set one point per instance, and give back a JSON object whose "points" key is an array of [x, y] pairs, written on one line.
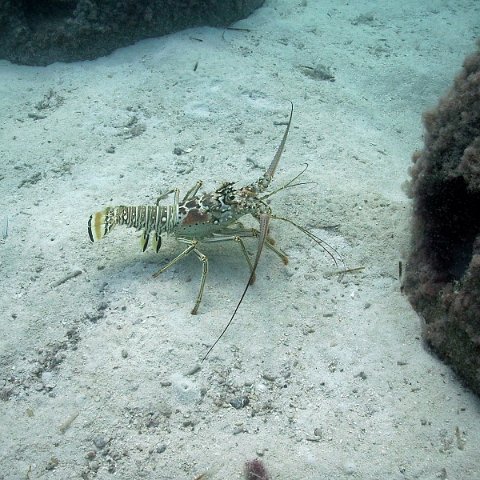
{"points": [[100, 442], [443, 272], [40, 32], [239, 402]]}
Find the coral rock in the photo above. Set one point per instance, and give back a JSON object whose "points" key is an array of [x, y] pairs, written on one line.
{"points": [[442, 277], [40, 32]]}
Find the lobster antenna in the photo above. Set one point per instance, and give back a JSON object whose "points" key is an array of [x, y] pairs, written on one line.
{"points": [[268, 175], [264, 221], [326, 247], [289, 184]]}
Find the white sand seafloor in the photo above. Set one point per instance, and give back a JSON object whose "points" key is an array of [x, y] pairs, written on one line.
{"points": [[322, 377]]}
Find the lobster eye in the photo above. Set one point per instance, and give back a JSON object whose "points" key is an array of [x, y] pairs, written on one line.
{"points": [[229, 198]]}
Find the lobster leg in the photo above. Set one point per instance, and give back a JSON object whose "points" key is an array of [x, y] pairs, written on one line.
{"points": [[176, 193], [203, 258], [193, 191], [186, 252], [192, 247], [237, 236]]}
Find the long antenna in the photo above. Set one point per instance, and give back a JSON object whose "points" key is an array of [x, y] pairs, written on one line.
{"points": [[264, 222], [268, 175]]}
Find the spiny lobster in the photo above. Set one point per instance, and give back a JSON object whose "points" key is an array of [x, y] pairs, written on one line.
{"points": [[207, 218]]}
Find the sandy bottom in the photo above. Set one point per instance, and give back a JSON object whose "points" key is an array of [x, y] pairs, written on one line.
{"points": [[321, 376]]}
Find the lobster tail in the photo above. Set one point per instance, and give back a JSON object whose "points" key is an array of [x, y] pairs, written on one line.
{"points": [[155, 219], [100, 223]]}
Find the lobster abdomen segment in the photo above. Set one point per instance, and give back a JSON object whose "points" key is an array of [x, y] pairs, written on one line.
{"points": [[156, 219]]}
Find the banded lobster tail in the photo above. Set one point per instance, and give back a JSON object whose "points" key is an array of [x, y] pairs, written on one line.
{"points": [[157, 219]]}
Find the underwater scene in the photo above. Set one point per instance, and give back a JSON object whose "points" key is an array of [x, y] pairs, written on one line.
{"points": [[203, 239]]}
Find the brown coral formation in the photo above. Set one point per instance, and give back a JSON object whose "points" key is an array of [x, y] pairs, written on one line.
{"points": [[39, 32], [443, 272]]}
